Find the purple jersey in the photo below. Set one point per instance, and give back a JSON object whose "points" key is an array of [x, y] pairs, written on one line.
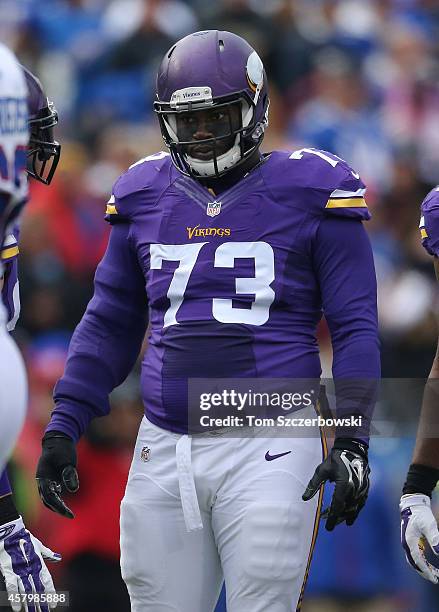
{"points": [[10, 289], [429, 224], [233, 285]]}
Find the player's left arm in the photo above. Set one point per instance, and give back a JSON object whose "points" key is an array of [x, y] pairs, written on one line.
{"points": [[419, 529], [417, 518], [344, 266], [426, 451], [423, 474]]}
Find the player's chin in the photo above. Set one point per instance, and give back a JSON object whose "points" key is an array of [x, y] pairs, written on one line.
{"points": [[201, 152], [206, 152]]}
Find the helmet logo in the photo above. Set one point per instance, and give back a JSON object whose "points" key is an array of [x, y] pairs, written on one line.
{"points": [[255, 71], [191, 95]]}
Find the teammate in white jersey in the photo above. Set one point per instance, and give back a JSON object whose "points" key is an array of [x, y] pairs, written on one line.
{"points": [[14, 138], [21, 555]]}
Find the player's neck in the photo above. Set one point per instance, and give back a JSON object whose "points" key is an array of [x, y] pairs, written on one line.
{"points": [[218, 185]]}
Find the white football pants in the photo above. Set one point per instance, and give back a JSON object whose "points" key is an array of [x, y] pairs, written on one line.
{"points": [[206, 508], [13, 392]]}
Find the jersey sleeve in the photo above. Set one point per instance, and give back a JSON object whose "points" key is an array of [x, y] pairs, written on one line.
{"points": [[321, 183], [9, 249], [122, 202], [347, 199], [429, 223], [112, 215], [139, 187], [344, 266]]}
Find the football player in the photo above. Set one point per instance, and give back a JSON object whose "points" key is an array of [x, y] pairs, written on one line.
{"points": [[419, 529], [43, 155], [232, 256], [21, 554]]}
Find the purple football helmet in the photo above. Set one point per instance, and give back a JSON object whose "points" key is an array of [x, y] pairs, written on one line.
{"points": [[44, 152], [212, 102]]}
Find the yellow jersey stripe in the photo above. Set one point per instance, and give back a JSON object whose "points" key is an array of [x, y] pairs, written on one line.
{"points": [[346, 203], [111, 210], [424, 233], [10, 252]]}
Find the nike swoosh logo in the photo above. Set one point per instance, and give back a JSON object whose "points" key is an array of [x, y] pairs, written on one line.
{"points": [[269, 457]]}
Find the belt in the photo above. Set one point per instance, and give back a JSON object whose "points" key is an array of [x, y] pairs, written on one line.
{"points": [[186, 483]]}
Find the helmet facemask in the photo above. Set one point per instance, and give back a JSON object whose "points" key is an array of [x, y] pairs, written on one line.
{"points": [[208, 137], [43, 152]]}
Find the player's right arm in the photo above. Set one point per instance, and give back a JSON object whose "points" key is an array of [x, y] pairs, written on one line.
{"points": [[103, 350], [417, 519]]}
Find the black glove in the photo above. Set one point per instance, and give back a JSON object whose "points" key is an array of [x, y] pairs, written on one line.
{"points": [[347, 466], [56, 471]]}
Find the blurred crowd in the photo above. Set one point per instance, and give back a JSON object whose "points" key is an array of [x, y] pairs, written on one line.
{"points": [[359, 78]]}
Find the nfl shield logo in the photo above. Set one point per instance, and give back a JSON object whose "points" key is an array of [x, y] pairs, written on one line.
{"points": [[144, 455], [213, 208]]}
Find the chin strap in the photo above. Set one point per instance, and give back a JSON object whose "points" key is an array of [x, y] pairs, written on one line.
{"points": [[224, 162]]}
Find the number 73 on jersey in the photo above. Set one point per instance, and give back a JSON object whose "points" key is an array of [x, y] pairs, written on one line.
{"points": [[222, 309]]}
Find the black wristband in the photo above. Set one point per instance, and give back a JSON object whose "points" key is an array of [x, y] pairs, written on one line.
{"points": [[355, 446], [8, 511], [421, 479]]}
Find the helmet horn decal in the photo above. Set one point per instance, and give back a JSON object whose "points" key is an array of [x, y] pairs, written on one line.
{"points": [[255, 71]]}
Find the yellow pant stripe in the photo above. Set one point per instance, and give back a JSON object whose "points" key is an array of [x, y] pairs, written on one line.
{"points": [[315, 529]]}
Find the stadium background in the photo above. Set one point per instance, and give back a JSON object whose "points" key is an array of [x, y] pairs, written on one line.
{"points": [[358, 78]]}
